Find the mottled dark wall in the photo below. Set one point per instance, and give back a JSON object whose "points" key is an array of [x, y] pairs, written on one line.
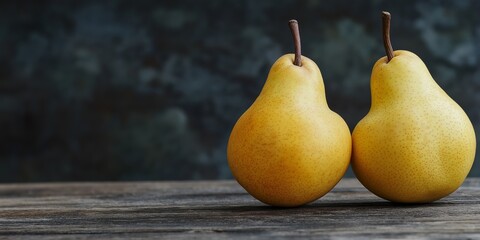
{"points": [[124, 90]]}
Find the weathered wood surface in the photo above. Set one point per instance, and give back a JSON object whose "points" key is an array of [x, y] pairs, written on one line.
{"points": [[222, 209]]}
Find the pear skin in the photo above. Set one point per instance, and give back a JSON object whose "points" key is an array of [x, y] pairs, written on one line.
{"points": [[415, 145], [289, 148]]}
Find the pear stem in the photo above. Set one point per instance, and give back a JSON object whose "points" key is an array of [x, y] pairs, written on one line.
{"points": [[293, 24], [386, 35]]}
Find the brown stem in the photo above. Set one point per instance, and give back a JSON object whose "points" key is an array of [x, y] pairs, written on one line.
{"points": [[296, 40], [386, 35]]}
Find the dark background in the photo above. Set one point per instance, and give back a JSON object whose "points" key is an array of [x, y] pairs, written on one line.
{"points": [[149, 90]]}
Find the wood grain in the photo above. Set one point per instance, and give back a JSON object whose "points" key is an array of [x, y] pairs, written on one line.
{"points": [[222, 209]]}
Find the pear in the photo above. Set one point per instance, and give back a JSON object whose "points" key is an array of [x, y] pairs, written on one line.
{"points": [[415, 145], [289, 148]]}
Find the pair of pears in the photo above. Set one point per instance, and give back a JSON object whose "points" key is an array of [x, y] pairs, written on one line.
{"points": [[415, 145]]}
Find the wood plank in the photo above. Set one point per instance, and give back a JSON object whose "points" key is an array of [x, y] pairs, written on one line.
{"points": [[222, 209]]}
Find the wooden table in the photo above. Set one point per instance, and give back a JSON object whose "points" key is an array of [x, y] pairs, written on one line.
{"points": [[222, 209]]}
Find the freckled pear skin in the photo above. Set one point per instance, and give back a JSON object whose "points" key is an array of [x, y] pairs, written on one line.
{"points": [[416, 145], [289, 148]]}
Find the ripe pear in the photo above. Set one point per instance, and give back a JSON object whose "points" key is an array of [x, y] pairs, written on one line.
{"points": [[289, 148], [415, 145]]}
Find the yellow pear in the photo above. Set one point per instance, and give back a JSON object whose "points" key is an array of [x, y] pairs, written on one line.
{"points": [[289, 148], [415, 145]]}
